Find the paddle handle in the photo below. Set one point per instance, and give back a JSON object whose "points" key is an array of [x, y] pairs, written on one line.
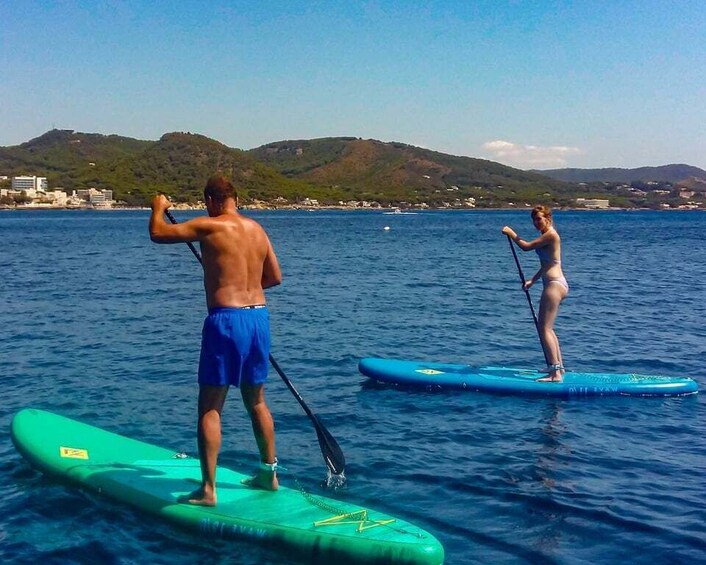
{"points": [[529, 298]]}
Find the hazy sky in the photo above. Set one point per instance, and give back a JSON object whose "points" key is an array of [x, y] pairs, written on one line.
{"points": [[594, 83]]}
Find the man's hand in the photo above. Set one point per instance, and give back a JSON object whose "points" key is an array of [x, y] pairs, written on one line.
{"points": [[160, 203]]}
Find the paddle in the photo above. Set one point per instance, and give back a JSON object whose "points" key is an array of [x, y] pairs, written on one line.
{"points": [[529, 299], [331, 451]]}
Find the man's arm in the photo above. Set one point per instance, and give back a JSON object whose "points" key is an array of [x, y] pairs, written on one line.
{"points": [[163, 232], [271, 274]]}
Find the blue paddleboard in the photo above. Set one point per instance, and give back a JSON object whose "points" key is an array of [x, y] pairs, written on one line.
{"points": [[521, 381]]}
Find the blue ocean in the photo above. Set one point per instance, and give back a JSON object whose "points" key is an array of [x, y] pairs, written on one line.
{"points": [[99, 324]]}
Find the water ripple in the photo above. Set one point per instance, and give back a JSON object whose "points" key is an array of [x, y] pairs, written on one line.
{"points": [[100, 325]]}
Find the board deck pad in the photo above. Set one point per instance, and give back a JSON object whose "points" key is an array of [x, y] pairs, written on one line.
{"points": [[521, 381], [314, 528]]}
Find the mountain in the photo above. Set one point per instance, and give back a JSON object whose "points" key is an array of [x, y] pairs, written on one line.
{"points": [[376, 170], [664, 173], [329, 170], [693, 183], [60, 151], [178, 165]]}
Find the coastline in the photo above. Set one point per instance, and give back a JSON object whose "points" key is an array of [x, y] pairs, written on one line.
{"points": [[344, 208]]}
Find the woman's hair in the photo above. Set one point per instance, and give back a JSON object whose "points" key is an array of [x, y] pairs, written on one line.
{"points": [[544, 211], [219, 189]]}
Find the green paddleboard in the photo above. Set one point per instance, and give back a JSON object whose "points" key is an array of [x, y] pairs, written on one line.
{"points": [[313, 528]]}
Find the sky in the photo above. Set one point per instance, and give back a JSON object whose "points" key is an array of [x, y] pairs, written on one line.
{"points": [[530, 84]]}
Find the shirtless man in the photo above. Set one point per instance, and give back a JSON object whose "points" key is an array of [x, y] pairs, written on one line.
{"points": [[238, 264]]}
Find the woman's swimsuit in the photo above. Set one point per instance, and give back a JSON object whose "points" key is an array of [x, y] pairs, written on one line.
{"points": [[560, 280], [546, 262]]}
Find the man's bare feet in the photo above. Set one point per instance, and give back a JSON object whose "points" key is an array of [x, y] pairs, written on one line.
{"points": [[266, 477], [198, 498]]}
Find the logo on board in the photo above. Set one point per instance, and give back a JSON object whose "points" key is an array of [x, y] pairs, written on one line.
{"points": [[429, 371], [73, 453]]}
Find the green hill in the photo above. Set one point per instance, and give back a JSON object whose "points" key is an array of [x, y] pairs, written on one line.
{"points": [[59, 152], [663, 173], [329, 170], [396, 172], [178, 164]]}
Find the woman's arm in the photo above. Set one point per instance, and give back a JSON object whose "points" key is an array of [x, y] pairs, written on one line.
{"points": [[542, 241], [534, 279]]}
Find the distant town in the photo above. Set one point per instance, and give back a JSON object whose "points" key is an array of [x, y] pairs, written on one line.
{"points": [[33, 192]]}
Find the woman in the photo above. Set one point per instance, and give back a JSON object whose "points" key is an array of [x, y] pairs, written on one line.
{"points": [[548, 247]]}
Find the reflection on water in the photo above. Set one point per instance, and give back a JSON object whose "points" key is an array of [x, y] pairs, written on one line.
{"points": [[552, 452]]}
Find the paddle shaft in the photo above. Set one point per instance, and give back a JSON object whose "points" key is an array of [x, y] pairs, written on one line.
{"points": [[331, 451], [290, 386], [529, 298]]}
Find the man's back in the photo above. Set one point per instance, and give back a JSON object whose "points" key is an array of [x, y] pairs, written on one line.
{"points": [[237, 261]]}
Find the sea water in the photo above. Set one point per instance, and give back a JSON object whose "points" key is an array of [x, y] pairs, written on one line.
{"points": [[99, 324]]}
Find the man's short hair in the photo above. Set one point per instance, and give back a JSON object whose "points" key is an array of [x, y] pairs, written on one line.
{"points": [[219, 189]]}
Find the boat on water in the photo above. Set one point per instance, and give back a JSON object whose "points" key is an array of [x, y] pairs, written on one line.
{"points": [[399, 212]]}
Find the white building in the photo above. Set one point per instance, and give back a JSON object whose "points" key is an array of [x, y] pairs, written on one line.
{"points": [[30, 185], [593, 202], [97, 198]]}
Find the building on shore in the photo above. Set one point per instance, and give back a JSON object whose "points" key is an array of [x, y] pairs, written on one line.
{"points": [[96, 198], [55, 198], [32, 192], [595, 203], [29, 185]]}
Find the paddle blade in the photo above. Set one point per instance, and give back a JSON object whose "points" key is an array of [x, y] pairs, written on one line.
{"points": [[333, 455]]}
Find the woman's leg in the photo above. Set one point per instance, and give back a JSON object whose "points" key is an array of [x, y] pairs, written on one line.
{"points": [[552, 296]]}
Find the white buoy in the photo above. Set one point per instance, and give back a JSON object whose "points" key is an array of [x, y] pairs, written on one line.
{"points": [[386, 228]]}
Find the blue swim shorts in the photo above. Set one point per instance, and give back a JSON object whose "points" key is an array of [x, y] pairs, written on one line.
{"points": [[235, 346]]}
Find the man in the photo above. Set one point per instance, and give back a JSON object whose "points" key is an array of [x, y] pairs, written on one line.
{"points": [[238, 264]]}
